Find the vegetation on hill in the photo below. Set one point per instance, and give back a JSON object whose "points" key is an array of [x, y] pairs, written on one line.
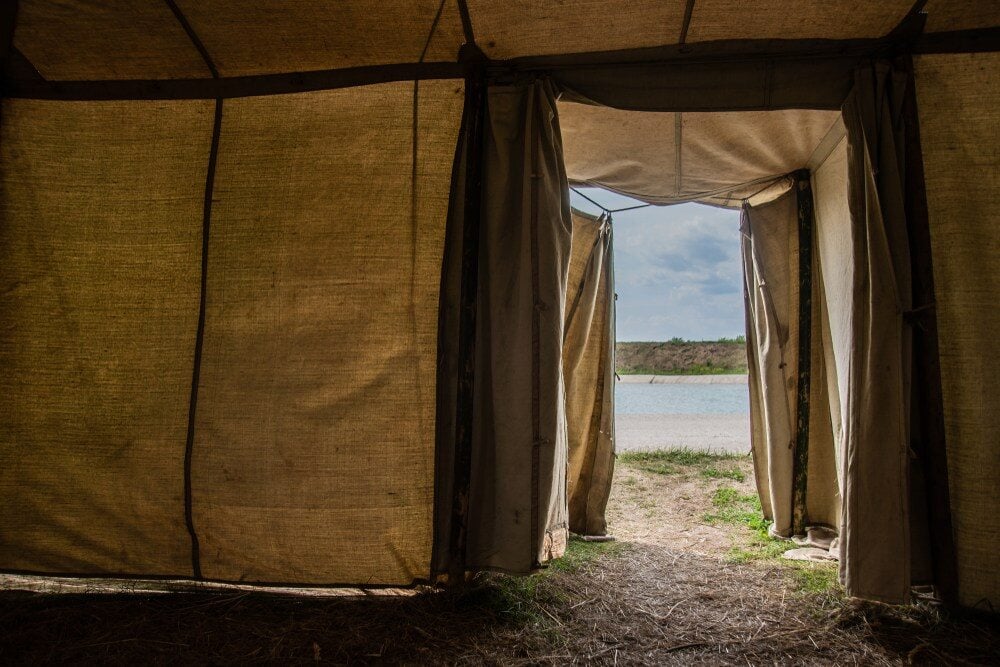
{"points": [[682, 357]]}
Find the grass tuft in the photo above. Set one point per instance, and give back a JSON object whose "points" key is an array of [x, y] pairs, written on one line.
{"points": [[519, 600], [678, 456], [814, 578], [736, 508], [724, 473], [579, 552]]}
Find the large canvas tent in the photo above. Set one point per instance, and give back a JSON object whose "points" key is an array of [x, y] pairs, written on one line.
{"points": [[283, 287]]}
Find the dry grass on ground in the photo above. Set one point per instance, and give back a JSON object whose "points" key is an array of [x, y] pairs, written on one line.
{"points": [[693, 579]]}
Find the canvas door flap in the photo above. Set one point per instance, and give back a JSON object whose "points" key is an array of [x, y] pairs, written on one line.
{"points": [[770, 256], [517, 512], [875, 548], [588, 365]]}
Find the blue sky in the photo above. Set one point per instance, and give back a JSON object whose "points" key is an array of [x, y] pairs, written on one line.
{"points": [[677, 269]]}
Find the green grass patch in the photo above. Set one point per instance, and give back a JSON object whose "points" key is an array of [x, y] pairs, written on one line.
{"points": [[680, 456], [519, 600], [724, 473], [681, 461], [814, 578], [757, 549], [510, 599], [737, 508], [579, 552], [743, 509]]}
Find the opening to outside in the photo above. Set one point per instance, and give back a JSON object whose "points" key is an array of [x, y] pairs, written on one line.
{"points": [[683, 475], [685, 486]]}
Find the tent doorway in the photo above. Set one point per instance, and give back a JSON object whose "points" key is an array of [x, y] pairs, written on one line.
{"points": [[751, 166], [684, 478]]}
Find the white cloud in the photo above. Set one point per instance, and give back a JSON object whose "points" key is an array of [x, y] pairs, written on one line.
{"points": [[677, 270]]}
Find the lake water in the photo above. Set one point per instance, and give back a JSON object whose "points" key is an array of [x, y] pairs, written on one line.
{"points": [[681, 399]]}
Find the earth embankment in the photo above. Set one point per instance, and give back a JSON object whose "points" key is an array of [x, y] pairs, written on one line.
{"points": [[681, 357]]}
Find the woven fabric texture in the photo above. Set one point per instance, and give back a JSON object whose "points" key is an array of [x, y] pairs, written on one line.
{"points": [[100, 257], [313, 457], [958, 97], [770, 266], [517, 507]]}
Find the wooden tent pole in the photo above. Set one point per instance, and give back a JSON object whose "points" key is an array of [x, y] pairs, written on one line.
{"points": [[476, 109], [800, 463]]}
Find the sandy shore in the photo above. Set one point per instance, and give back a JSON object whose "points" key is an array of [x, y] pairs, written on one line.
{"points": [[718, 433], [683, 379]]}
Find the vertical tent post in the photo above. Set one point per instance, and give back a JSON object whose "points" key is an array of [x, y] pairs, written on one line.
{"points": [[800, 463], [475, 91], [928, 410], [8, 18]]}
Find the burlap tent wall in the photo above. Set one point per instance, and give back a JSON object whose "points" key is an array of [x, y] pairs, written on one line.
{"points": [[319, 338], [258, 312], [958, 98]]}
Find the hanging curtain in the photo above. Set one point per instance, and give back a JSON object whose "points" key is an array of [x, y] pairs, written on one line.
{"points": [[875, 539], [517, 502], [589, 368], [770, 283]]}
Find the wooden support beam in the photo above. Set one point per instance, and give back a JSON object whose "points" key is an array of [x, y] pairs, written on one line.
{"points": [[800, 464], [462, 475]]}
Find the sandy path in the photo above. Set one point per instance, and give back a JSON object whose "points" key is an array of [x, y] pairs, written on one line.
{"points": [[717, 433]]}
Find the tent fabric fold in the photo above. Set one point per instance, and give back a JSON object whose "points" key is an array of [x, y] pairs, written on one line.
{"points": [[517, 510], [589, 369], [770, 268], [875, 540]]}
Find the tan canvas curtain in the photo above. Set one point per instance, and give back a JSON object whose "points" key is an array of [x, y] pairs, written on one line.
{"points": [[875, 541], [589, 368], [770, 274], [517, 511], [772, 287]]}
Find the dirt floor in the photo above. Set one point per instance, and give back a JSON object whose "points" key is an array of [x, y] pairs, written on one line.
{"points": [[692, 579]]}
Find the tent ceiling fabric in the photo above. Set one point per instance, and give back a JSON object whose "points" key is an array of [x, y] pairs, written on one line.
{"points": [[117, 39], [271, 36], [719, 157], [803, 19], [947, 15], [528, 27], [123, 39]]}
